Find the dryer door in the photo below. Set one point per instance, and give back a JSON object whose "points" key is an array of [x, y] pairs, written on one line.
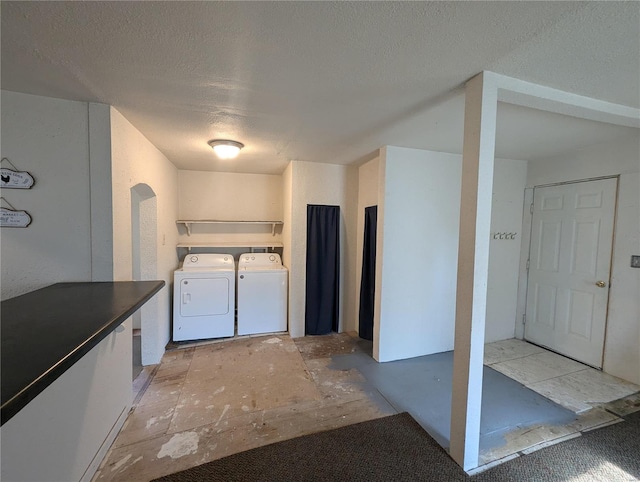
{"points": [[204, 296]]}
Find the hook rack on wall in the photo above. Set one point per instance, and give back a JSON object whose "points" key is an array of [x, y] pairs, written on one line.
{"points": [[13, 178], [504, 235]]}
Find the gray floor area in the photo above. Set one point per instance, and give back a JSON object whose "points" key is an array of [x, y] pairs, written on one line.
{"points": [[422, 387]]}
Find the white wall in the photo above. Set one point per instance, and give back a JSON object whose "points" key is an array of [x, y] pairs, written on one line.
{"points": [[509, 179], [144, 250], [314, 183], [287, 216], [101, 192], [351, 275], [49, 138], [230, 196], [418, 213], [136, 161], [621, 355], [417, 254], [367, 196], [66, 146]]}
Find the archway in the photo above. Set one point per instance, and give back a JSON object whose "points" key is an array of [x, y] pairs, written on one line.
{"points": [[144, 260]]}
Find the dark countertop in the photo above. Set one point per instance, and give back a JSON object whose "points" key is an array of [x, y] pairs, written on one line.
{"points": [[48, 330]]}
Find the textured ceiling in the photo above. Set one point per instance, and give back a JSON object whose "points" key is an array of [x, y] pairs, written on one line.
{"points": [[322, 81]]}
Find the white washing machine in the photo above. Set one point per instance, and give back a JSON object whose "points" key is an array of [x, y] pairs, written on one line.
{"points": [[204, 291], [262, 294]]}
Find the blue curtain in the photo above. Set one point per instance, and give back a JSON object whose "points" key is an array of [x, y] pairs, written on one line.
{"points": [[368, 280], [323, 269]]}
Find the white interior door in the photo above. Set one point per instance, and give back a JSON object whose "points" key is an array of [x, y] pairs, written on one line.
{"points": [[569, 268]]}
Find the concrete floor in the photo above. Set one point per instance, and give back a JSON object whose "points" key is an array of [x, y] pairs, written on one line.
{"points": [[209, 401]]}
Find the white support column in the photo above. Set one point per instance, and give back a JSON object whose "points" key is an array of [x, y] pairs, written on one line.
{"points": [[481, 100], [100, 165]]}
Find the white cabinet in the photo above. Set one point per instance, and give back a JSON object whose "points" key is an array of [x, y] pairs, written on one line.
{"points": [[64, 433]]}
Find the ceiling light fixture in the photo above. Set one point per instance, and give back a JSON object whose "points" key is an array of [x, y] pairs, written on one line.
{"points": [[226, 149]]}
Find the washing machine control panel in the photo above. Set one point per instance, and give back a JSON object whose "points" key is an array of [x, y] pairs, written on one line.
{"points": [[208, 260], [260, 259]]}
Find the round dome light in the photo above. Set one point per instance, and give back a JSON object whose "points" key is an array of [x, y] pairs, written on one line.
{"points": [[226, 149]]}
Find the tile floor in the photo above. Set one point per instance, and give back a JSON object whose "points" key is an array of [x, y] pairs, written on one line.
{"points": [[212, 400], [597, 399], [573, 385]]}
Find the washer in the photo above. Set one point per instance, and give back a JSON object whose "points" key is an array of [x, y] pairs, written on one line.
{"points": [[204, 297], [262, 294]]}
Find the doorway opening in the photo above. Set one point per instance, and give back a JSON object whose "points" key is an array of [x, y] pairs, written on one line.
{"points": [[144, 266], [368, 280], [322, 306]]}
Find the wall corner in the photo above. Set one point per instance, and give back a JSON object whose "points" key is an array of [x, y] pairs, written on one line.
{"points": [[100, 173]]}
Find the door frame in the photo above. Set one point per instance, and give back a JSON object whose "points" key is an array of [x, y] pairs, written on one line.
{"points": [[366, 230], [525, 252]]}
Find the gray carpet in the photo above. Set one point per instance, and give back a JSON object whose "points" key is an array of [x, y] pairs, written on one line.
{"points": [[396, 448]]}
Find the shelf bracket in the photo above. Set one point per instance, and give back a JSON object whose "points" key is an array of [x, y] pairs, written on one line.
{"points": [[273, 229], [188, 226]]}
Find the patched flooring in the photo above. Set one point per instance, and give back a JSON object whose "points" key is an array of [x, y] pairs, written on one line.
{"points": [[216, 399], [596, 398], [575, 386]]}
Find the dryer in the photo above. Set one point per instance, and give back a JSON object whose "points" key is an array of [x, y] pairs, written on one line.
{"points": [[262, 294], [204, 297]]}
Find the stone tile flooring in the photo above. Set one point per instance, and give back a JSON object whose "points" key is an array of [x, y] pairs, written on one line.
{"points": [[212, 400], [573, 385], [598, 399]]}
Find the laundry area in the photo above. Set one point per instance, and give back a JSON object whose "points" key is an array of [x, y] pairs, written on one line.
{"points": [[204, 300], [408, 224], [309, 219]]}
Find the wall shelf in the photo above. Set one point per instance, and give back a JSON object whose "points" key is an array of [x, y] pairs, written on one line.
{"points": [[233, 244], [188, 222]]}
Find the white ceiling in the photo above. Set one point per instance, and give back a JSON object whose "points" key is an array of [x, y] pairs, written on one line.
{"points": [[323, 81]]}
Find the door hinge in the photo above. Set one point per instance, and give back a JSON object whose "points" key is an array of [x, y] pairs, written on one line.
{"points": [[531, 208], [528, 262], [524, 319]]}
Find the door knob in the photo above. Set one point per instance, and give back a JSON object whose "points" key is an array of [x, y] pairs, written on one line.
{"points": [[601, 284]]}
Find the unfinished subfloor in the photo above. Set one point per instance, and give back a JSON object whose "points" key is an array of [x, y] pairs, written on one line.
{"points": [[209, 401]]}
